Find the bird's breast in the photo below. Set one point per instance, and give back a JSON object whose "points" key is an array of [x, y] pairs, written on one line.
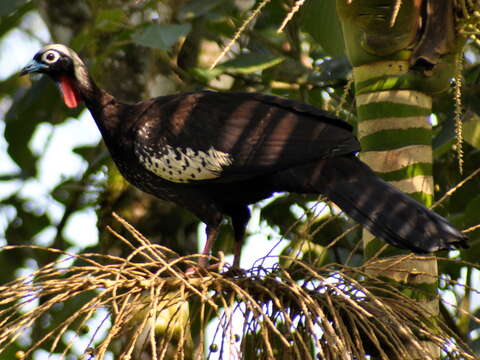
{"points": [[183, 164]]}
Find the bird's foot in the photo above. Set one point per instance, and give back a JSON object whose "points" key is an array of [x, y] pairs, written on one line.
{"points": [[202, 270], [235, 271], [194, 271]]}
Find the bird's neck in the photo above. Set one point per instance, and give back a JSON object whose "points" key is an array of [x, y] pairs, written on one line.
{"points": [[103, 106], [95, 98]]}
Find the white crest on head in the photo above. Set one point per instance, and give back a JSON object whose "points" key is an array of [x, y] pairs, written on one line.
{"points": [[182, 165], [79, 66]]}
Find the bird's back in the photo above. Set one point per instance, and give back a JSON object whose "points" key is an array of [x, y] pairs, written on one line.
{"points": [[209, 136]]}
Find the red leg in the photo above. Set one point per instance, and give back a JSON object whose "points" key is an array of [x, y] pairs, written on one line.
{"points": [[239, 221], [212, 233], [237, 253]]}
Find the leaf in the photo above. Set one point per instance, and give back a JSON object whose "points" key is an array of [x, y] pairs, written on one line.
{"points": [[251, 62], [442, 141], [9, 22], [472, 254], [88, 152], [330, 229], [221, 27], [321, 22], [204, 75], [451, 269], [109, 20], [8, 7], [472, 212], [27, 223], [471, 131], [12, 176], [289, 71], [243, 64], [278, 213], [10, 85], [11, 261], [58, 314], [11, 351], [40, 103], [304, 250], [332, 70], [161, 36], [197, 8], [63, 191]]}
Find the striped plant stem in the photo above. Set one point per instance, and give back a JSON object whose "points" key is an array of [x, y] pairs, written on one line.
{"points": [[395, 136]]}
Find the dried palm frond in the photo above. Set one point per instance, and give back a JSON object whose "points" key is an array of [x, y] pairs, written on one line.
{"points": [[150, 309]]}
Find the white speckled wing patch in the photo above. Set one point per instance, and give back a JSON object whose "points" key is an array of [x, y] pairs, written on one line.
{"points": [[182, 165]]}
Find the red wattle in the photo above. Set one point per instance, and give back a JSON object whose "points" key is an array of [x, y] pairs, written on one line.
{"points": [[70, 94]]}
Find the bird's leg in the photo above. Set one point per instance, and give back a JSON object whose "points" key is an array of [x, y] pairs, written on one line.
{"points": [[212, 232], [237, 252], [239, 222], [239, 231]]}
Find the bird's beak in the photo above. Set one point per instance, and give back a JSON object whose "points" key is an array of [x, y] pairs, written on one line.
{"points": [[33, 66]]}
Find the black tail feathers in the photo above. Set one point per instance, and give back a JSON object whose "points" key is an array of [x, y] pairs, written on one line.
{"points": [[381, 208]]}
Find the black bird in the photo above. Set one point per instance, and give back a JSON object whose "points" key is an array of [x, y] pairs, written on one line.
{"points": [[215, 153]]}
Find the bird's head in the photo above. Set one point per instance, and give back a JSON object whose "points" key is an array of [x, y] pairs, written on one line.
{"points": [[65, 67]]}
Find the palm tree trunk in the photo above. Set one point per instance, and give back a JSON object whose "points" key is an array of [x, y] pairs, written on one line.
{"points": [[395, 135], [395, 76]]}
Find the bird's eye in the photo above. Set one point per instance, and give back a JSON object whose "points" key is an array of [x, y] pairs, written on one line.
{"points": [[50, 57]]}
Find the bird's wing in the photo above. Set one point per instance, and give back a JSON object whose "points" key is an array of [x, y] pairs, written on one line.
{"points": [[209, 135]]}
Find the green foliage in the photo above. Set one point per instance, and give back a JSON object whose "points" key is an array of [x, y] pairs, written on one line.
{"points": [[328, 32], [40, 103], [160, 36], [8, 7], [199, 8], [250, 63], [8, 19], [472, 131]]}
